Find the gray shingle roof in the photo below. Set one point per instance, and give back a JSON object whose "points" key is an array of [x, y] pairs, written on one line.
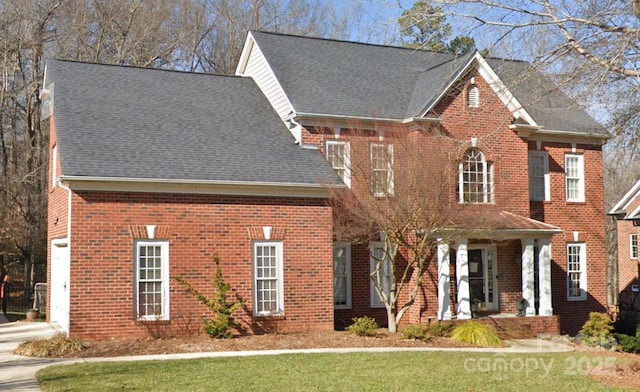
{"points": [[126, 122], [329, 77]]}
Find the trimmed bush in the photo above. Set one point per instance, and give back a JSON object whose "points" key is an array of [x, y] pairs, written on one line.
{"points": [[414, 332], [58, 345], [439, 329], [596, 332], [363, 326], [475, 333]]}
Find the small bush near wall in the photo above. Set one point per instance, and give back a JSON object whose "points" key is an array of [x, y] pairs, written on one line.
{"points": [[440, 329], [414, 332], [222, 324], [363, 326], [597, 331]]}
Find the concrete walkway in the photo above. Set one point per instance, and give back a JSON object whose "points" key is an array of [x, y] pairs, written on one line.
{"points": [[17, 373]]}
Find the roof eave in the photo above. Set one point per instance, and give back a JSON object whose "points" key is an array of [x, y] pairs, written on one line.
{"points": [[321, 119], [502, 234], [186, 186], [533, 131]]}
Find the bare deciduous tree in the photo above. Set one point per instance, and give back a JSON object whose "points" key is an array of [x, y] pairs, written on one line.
{"points": [[402, 195]]}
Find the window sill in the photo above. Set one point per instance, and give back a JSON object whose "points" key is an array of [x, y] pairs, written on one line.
{"points": [[269, 316], [576, 299]]}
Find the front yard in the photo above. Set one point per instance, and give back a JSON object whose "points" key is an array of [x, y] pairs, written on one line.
{"points": [[396, 371]]}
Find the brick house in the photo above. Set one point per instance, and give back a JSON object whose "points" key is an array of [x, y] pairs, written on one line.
{"points": [[627, 214], [152, 172], [529, 161]]}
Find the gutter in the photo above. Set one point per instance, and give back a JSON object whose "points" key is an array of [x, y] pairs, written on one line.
{"points": [[240, 188]]}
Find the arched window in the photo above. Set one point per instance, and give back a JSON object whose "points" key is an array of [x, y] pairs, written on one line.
{"points": [[473, 96], [475, 181]]}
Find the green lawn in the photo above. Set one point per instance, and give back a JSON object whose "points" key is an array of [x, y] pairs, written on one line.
{"points": [[406, 371]]}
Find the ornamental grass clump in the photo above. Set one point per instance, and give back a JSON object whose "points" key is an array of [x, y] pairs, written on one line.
{"points": [[56, 346], [476, 334]]}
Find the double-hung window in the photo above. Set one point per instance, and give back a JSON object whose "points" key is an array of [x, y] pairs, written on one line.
{"points": [[576, 272], [341, 275], [475, 178], [380, 264], [633, 246], [539, 189], [574, 177], [268, 289], [152, 280], [382, 170], [337, 153]]}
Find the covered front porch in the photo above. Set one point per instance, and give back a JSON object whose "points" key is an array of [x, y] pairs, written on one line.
{"points": [[503, 268]]}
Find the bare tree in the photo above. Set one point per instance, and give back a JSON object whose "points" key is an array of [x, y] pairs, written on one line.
{"points": [[404, 201]]}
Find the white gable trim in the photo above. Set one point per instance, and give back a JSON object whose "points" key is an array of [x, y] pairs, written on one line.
{"points": [[255, 65], [627, 199], [496, 84]]}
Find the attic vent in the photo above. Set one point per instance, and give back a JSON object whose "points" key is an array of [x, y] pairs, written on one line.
{"points": [[473, 96]]}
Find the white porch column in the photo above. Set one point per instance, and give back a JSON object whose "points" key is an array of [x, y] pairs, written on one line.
{"points": [[528, 276], [544, 275], [444, 299], [462, 274]]}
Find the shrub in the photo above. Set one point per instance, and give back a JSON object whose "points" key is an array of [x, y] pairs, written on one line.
{"points": [[414, 332], [629, 344], [475, 333], [222, 324], [597, 331], [58, 345], [439, 329], [363, 326]]}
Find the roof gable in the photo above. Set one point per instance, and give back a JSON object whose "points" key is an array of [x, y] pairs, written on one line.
{"points": [[136, 124], [342, 79], [622, 206]]}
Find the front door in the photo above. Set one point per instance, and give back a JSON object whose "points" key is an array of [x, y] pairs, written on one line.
{"points": [[482, 278]]}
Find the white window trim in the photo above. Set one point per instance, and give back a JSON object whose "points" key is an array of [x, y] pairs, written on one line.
{"points": [[389, 169], [279, 278], [347, 247], [547, 182], [580, 163], [582, 270], [164, 249], [487, 181], [54, 165], [376, 301], [633, 249], [346, 159]]}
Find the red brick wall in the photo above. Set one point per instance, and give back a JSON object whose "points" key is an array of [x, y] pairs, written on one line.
{"points": [[197, 227], [628, 268], [489, 126]]}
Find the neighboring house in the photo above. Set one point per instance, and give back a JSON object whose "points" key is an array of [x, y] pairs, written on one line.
{"points": [[153, 172], [627, 214], [530, 163]]}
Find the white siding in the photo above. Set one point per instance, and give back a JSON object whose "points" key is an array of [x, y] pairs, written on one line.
{"points": [[258, 68]]}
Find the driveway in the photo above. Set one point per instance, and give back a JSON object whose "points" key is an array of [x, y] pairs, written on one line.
{"points": [[17, 373]]}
